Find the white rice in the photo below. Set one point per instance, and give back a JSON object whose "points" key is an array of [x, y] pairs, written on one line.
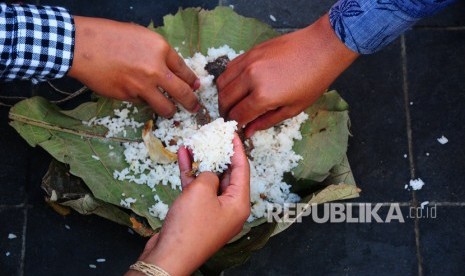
{"points": [[423, 204], [159, 209], [443, 140], [212, 145], [127, 202], [118, 123], [271, 157], [416, 184], [12, 236]]}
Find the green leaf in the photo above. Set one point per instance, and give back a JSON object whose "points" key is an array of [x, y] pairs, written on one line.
{"points": [[325, 136], [63, 135], [70, 191], [182, 31], [330, 193], [238, 252], [341, 173], [193, 30]]}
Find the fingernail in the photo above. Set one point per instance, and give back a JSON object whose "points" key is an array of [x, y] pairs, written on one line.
{"points": [[249, 133], [197, 108], [196, 84]]}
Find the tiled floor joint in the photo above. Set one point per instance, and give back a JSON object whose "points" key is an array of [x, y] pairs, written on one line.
{"points": [[23, 244]]}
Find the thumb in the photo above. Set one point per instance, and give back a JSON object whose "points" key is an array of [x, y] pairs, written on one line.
{"points": [[239, 178], [268, 120], [185, 167], [206, 182]]}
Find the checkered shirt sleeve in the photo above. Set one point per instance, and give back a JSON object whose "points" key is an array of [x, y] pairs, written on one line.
{"points": [[36, 42]]}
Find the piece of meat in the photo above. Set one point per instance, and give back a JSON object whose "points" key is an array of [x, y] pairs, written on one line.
{"points": [[217, 67], [202, 117]]}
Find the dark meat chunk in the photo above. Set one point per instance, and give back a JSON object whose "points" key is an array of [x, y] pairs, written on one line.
{"points": [[217, 67], [247, 142], [202, 117]]}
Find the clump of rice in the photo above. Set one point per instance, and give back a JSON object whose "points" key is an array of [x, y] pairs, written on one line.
{"points": [[159, 209], [212, 145], [271, 157], [127, 202]]}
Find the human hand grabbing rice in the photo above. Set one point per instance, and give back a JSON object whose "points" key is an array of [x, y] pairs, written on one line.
{"points": [[281, 77], [200, 221], [108, 61]]}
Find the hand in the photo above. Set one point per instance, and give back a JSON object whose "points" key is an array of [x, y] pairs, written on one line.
{"points": [[200, 222], [129, 62], [279, 78]]}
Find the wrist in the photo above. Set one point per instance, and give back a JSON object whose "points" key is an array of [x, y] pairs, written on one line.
{"points": [[338, 56], [84, 39], [92, 45], [77, 65], [171, 261]]}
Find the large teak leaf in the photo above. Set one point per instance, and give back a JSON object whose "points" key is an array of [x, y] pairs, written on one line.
{"points": [[193, 30], [325, 136], [91, 155]]}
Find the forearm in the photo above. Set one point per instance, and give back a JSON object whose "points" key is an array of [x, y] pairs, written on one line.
{"points": [[36, 42], [334, 56]]}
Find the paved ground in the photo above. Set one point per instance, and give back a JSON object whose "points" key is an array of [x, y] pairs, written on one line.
{"points": [[401, 98]]}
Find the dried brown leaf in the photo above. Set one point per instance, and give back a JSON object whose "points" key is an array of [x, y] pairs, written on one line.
{"points": [[157, 152]]}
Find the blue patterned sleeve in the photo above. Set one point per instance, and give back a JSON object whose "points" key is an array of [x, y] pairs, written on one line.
{"points": [[366, 26]]}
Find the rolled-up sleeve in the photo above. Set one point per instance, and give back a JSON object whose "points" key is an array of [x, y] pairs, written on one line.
{"points": [[36, 42], [366, 26]]}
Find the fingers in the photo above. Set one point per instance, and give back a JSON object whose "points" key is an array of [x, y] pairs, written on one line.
{"points": [[179, 90], [268, 120], [246, 111], [159, 103], [239, 179], [231, 94], [185, 167], [177, 65], [208, 180], [234, 69], [225, 178]]}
